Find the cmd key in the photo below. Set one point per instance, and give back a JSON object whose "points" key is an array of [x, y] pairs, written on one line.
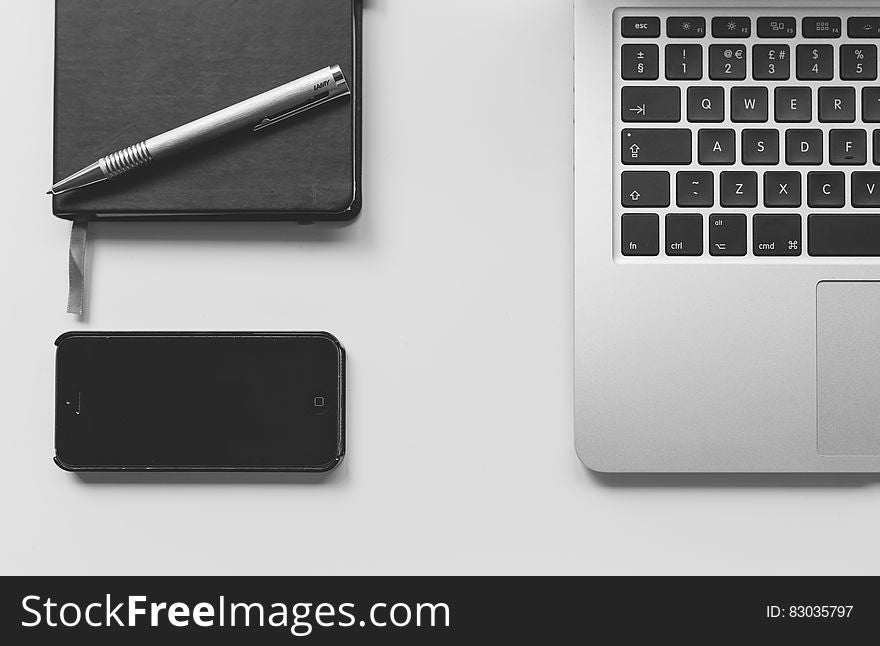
{"points": [[656, 146], [776, 235]]}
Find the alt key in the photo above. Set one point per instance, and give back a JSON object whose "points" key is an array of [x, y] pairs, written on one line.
{"points": [[727, 234]]}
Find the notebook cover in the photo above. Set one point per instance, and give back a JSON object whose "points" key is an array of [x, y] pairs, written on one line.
{"points": [[126, 70]]}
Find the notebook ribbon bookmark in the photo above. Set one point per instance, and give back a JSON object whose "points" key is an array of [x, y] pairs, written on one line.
{"points": [[77, 266]]}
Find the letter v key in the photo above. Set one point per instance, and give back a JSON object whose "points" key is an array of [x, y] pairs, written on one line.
{"points": [[864, 189]]}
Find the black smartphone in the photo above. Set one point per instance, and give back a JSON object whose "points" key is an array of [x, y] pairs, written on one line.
{"points": [[148, 401]]}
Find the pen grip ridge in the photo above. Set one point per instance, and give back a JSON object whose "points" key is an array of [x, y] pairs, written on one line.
{"points": [[125, 160]]}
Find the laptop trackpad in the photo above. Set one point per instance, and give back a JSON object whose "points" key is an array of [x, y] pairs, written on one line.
{"points": [[848, 367]]}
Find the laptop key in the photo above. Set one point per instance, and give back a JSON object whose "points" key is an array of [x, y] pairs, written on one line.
{"points": [[815, 62], [760, 147], [822, 27], [862, 27], [866, 189], [858, 62], [656, 146], [843, 235], [749, 104], [650, 104], [848, 147], [694, 188], [739, 188], [727, 62], [640, 27], [877, 147], [782, 189], [837, 104], [826, 189], [686, 27], [871, 104], [793, 104], [644, 188], [705, 104], [640, 234], [803, 147], [777, 27], [734, 27], [684, 234], [684, 62], [727, 234], [776, 235], [640, 62], [716, 147], [771, 62]]}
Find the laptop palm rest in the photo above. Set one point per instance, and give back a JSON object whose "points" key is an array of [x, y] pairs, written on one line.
{"points": [[848, 368]]}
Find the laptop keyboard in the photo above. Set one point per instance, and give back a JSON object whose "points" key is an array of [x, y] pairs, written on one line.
{"points": [[747, 134]]}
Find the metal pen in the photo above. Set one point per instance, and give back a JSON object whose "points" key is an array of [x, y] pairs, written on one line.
{"points": [[259, 112]]}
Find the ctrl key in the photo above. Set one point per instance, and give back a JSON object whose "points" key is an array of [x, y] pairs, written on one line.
{"points": [[684, 234], [640, 234]]}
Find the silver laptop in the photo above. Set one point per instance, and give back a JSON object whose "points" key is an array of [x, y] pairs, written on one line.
{"points": [[727, 254]]}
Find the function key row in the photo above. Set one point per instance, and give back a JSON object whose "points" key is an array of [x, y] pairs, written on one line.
{"points": [[684, 62], [706, 104], [741, 27], [772, 235]]}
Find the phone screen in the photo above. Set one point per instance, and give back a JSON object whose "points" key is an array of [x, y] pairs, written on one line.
{"points": [[264, 402]]}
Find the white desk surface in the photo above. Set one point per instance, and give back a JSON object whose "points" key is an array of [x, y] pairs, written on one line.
{"points": [[453, 296]]}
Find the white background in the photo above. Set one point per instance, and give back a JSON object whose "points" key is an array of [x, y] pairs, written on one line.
{"points": [[453, 296]]}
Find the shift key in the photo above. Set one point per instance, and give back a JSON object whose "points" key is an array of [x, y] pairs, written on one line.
{"points": [[656, 146], [644, 188]]}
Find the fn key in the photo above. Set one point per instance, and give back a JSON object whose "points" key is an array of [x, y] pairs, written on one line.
{"points": [[640, 234]]}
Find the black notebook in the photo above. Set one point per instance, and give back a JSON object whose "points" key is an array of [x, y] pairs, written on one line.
{"points": [[126, 70]]}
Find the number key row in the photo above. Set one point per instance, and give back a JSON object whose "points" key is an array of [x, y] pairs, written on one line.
{"points": [[729, 62]]}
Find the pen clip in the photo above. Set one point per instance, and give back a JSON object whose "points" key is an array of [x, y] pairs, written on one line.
{"points": [[324, 97]]}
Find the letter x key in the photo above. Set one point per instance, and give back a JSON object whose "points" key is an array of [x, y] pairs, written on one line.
{"points": [[782, 189]]}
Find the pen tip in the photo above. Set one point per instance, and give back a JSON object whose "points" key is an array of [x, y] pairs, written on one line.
{"points": [[50, 192]]}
